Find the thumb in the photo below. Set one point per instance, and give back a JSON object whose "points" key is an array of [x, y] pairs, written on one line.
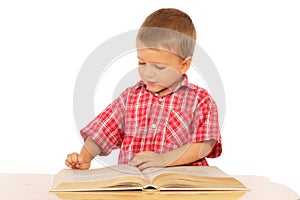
{"points": [[81, 160]]}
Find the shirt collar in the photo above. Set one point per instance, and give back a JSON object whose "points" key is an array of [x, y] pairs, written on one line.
{"points": [[184, 84]]}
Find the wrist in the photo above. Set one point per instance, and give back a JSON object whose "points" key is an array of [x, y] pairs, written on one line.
{"points": [[86, 155], [180, 156], [92, 146]]}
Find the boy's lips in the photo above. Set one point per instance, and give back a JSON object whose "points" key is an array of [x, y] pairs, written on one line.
{"points": [[151, 83]]}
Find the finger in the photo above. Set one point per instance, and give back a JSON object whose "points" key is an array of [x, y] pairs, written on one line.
{"points": [[78, 166], [74, 157], [141, 160], [69, 158], [145, 165], [79, 162], [135, 160], [68, 163]]}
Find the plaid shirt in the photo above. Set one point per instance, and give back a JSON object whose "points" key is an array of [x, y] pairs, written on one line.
{"points": [[139, 120]]}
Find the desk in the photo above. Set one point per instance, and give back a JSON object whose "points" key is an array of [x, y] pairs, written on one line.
{"points": [[36, 187]]}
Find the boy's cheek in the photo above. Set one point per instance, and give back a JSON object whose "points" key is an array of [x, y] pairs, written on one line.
{"points": [[168, 76]]}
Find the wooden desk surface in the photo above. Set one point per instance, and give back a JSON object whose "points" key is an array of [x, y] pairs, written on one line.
{"points": [[36, 187]]}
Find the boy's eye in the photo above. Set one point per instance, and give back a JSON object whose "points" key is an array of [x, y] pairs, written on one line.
{"points": [[141, 63], [160, 67], [157, 66]]}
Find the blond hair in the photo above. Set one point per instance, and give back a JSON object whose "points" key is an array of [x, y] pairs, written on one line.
{"points": [[169, 29]]}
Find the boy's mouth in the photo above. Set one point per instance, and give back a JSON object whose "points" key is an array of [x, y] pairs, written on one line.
{"points": [[151, 83]]}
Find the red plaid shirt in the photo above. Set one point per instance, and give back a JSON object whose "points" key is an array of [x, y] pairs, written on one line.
{"points": [[139, 120]]}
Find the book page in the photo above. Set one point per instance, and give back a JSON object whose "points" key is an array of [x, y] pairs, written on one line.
{"points": [[99, 174], [95, 175], [192, 178], [208, 171]]}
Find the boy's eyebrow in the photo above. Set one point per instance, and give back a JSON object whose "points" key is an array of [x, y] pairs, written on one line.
{"points": [[153, 62]]}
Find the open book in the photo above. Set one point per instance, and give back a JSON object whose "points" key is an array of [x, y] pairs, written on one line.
{"points": [[125, 177]]}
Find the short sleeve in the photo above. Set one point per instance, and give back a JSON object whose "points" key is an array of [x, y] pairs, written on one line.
{"points": [[107, 128], [205, 124]]}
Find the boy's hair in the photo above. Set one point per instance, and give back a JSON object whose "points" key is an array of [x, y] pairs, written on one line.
{"points": [[169, 29]]}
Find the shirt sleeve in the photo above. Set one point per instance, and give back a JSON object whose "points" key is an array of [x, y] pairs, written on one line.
{"points": [[107, 128], [206, 124]]}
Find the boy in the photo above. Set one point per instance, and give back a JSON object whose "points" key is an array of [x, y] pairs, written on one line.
{"points": [[163, 120]]}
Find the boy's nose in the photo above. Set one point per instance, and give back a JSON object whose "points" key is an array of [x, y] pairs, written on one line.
{"points": [[148, 71]]}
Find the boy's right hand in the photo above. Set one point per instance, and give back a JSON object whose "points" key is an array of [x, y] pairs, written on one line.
{"points": [[77, 161]]}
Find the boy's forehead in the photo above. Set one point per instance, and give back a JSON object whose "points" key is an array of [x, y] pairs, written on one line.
{"points": [[155, 53], [157, 49]]}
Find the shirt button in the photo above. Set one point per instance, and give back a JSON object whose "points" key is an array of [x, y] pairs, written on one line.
{"points": [[153, 126], [160, 99]]}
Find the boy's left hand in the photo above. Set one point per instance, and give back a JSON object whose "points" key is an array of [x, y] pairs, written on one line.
{"points": [[148, 159]]}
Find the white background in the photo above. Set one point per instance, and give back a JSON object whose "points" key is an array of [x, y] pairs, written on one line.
{"points": [[255, 46]]}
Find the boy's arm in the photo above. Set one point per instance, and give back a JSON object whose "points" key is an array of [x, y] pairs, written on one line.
{"points": [[189, 153], [186, 154], [92, 147], [83, 160]]}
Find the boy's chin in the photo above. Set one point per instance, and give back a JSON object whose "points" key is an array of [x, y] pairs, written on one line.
{"points": [[154, 88]]}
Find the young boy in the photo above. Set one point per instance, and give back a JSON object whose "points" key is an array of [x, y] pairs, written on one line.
{"points": [[163, 120]]}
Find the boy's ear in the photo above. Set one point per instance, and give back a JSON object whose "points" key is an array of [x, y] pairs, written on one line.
{"points": [[186, 65]]}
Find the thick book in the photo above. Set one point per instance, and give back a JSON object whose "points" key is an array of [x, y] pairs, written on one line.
{"points": [[125, 177]]}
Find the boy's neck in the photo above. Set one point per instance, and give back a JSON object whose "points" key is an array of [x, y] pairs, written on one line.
{"points": [[166, 90]]}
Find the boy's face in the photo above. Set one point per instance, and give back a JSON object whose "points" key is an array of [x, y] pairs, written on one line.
{"points": [[160, 70]]}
